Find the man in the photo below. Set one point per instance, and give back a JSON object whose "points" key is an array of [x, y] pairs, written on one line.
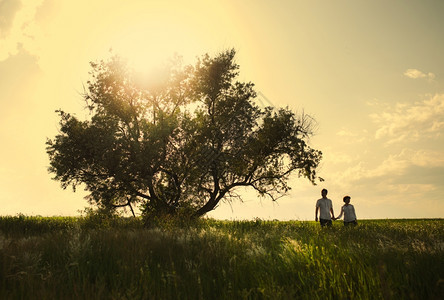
{"points": [[325, 206]]}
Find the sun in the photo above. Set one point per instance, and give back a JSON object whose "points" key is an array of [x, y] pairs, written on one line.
{"points": [[148, 43], [144, 47], [148, 33]]}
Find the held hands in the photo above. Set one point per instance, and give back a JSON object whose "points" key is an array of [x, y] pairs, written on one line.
{"points": [[333, 218]]}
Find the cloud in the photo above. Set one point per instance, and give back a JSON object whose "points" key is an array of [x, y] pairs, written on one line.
{"points": [[424, 158], [339, 157], [411, 122], [17, 71], [409, 166], [8, 10], [17, 26], [415, 74], [401, 180], [399, 163], [394, 165], [346, 133], [352, 137]]}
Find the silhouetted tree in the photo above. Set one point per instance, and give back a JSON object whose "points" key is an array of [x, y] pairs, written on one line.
{"points": [[180, 141]]}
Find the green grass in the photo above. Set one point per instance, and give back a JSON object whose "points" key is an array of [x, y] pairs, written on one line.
{"points": [[99, 258]]}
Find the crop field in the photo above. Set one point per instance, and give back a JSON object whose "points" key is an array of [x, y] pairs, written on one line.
{"points": [[117, 258]]}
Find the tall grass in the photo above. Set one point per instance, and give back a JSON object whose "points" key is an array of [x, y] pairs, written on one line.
{"points": [[84, 258]]}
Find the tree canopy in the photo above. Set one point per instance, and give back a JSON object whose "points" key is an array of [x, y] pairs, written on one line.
{"points": [[181, 140]]}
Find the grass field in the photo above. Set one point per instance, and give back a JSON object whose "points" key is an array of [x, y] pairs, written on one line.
{"points": [[95, 258]]}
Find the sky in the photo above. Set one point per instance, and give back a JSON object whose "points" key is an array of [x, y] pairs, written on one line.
{"points": [[371, 73]]}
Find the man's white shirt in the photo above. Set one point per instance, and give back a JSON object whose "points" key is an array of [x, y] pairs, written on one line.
{"points": [[324, 205]]}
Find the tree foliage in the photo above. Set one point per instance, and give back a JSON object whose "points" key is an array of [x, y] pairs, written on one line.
{"points": [[180, 141]]}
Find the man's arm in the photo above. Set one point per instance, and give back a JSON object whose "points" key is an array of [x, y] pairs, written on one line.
{"points": [[332, 213], [316, 213]]}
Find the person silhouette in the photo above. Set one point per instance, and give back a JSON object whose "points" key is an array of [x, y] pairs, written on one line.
{"points": [[324, 207], [348, 211]]}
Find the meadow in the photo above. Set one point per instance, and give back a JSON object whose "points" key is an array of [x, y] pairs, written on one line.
{"points": [[118, 258]]}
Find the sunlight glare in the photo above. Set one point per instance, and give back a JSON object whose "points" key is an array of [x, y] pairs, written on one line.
{"points": [[144, 50], [147, 46]]}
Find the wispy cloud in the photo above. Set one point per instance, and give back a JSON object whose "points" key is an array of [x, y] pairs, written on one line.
{"points": [[397, 164], [352, 137], [346, 133], [8, 10], [411, 122], [415, 74], [17, 26], [394, 165], [408, 169]]}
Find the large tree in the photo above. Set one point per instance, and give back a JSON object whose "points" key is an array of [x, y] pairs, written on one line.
{"points": [[181, 140]]}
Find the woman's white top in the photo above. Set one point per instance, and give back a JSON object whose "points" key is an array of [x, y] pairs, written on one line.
{"points": [[349, 213]]}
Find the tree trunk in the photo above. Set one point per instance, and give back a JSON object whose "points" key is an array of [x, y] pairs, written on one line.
{"points": [[209, 206]]}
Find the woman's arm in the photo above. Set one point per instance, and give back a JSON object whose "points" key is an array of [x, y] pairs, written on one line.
{"points": [[342, 212]]}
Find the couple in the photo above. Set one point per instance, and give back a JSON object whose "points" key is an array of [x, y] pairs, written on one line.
{"points": [[325, 206]]}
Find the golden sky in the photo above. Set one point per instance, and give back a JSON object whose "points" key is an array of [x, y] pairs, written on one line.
{"points": [[370, 72]]}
